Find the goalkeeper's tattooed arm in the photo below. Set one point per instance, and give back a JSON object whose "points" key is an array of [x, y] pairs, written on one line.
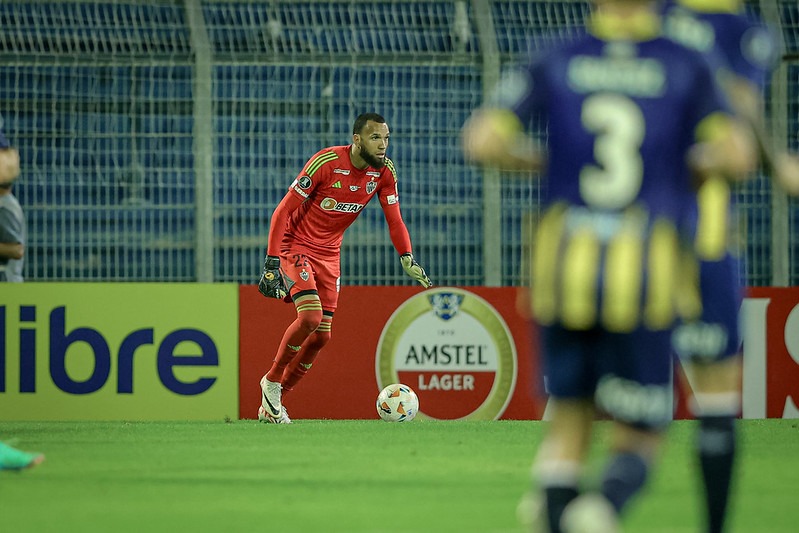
{"points": [[415, 270], [271, 283]]}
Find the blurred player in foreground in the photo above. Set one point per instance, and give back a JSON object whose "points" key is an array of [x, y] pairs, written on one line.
{"points": [[743, 51], [303, 259], [12, 221], [633, 121]]}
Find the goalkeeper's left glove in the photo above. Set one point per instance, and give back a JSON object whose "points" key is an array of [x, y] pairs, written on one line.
{"points": [[415, 270]]}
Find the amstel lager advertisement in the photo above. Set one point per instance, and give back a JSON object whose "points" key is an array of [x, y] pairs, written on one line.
{"points": [[466, 352], [116, 351], [454, 349]]}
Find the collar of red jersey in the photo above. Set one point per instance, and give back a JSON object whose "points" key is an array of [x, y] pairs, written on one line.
{"points": [[643, 25], [712, 6]]}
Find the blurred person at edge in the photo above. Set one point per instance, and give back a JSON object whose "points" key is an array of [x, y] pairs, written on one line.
{"points": [[12, 251], [12, 220], [743, 51]]}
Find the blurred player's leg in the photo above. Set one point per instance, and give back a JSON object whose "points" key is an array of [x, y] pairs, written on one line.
{"points": [[710, 352], [716, 405], [13, 459], [628, 467], [590, 513], [558, 465]]}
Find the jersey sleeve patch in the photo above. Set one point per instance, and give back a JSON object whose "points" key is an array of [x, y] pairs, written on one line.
{"points": [[300, 185]]}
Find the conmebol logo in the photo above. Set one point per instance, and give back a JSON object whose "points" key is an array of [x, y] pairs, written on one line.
{"points": [[454, 349]]}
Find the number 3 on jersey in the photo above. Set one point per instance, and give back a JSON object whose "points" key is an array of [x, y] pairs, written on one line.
{"points": [[619, 127]]}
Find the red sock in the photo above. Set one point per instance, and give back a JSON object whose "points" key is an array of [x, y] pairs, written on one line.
{"points": [[310, 349], [295, 335]]}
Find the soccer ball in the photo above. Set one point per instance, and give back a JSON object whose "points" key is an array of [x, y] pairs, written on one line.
{"points": [[397, 403]]}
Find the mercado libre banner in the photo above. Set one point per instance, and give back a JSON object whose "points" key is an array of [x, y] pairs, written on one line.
{"points": [[116, 351], [466, 352]]}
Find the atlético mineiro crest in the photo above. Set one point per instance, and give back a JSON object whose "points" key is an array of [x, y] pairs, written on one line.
{"points": [[370, 187], [304, 275], [445, 304]]}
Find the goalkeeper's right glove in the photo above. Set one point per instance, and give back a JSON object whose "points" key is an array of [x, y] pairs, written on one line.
{"points": [[415, 270], [271, 283]]}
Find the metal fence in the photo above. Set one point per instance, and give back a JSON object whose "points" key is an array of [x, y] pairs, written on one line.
{"points": [[157, 136]]}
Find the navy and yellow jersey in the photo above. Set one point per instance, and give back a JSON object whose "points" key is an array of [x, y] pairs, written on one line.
{"points": [[736, 44], [620, 117], [731, 38]]}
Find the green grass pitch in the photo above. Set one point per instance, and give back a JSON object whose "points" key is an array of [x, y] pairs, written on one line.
{"points": [[348, 476]]}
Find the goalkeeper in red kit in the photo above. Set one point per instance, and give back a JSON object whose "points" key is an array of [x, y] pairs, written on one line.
{"points": [[303, 257]]}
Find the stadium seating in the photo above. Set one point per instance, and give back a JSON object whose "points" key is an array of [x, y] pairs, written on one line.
{"points": [[102, 97]]}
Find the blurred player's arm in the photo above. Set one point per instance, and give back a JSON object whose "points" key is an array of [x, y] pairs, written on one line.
{"points": [[495, 137], [9, 170], [9, 164], [747, 100], [725, 147], [12, 250]]}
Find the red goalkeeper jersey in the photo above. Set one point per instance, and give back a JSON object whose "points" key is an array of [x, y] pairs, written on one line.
{"points": [[333, 193]]}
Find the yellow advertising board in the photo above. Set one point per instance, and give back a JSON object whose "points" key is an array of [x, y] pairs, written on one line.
{"points": [[118, 351]]}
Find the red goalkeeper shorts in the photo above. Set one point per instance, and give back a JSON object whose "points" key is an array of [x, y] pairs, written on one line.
{"points": [[304, 273]]}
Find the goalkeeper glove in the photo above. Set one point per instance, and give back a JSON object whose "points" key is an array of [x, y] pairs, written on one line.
{"points": [[415, 270], [271, 283]]}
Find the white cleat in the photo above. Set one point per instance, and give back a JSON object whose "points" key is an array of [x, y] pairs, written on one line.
{"points": [[590, 513], [271, 392], [263, 416]]}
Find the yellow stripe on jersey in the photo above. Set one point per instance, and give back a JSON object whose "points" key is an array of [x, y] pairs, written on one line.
{"points": [[317, 162], [663, 267], [621, 299], [688, 299], [642, 25], [640, 271], [713, 226], [543, 285], [713, 6], [390, 165], [580, 275]]}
